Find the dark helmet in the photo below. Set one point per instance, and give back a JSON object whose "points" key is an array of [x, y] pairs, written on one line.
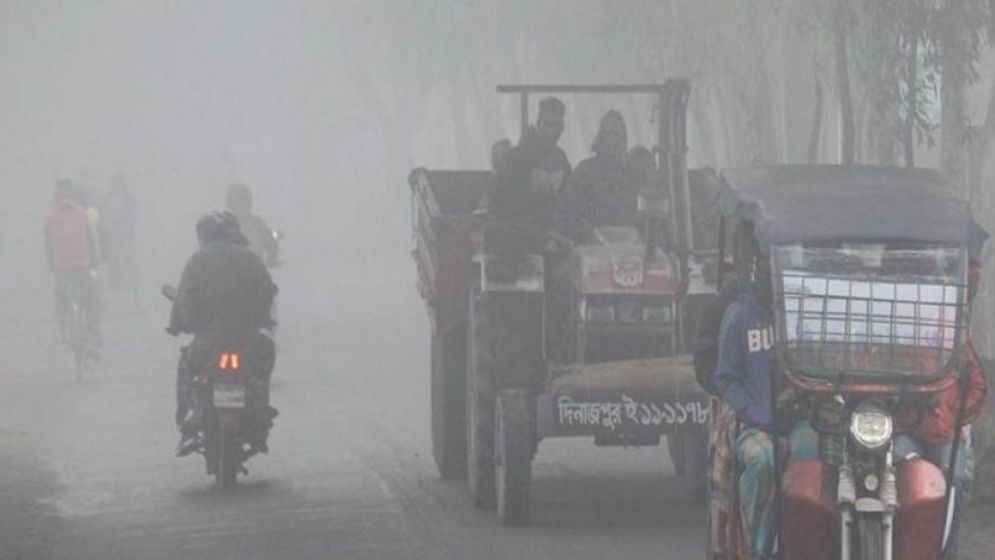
{"points": [[239, 198], [219, 225]]}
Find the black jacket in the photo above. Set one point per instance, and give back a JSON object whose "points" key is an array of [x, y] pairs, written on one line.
{"points": [[601, 192], [528, 184], [225, 288]]}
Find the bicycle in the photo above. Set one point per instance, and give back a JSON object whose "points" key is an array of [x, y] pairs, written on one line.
{"points": [[80, 339]]}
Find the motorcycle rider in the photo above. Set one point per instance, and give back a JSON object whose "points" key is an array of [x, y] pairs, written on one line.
{"points": [[253, 226], [225, 294], [73, 256]]}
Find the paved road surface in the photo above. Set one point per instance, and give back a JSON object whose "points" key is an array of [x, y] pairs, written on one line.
{"points": [[87, 470]]}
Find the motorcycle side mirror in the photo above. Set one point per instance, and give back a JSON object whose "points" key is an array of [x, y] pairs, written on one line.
{"points": [[169, 292], [653, 205]]}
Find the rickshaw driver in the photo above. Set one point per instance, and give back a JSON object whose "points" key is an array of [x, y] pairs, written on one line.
{"points": [[528, 184], [743, 378]]}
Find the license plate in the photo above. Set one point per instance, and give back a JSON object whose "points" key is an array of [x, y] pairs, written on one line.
{"points": [[229, 396]]}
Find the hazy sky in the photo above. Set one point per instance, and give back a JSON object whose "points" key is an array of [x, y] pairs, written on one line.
{"points": [[183, 98]]}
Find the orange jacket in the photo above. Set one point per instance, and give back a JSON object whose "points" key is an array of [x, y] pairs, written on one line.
{"points": [[69, 237]]}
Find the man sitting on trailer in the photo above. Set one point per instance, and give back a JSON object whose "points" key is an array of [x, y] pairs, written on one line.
{"points": [[528, 184], [532, 174]]}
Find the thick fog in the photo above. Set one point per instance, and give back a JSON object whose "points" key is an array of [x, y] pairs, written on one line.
{"points": [[323, 107], [183, 101]]}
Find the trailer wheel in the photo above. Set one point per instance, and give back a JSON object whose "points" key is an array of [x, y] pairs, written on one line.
{"points": [[480, 404], [448, 398], [513, 461], [696, 462]]}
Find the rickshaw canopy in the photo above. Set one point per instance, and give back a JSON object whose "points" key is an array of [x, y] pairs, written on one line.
{"points": [[807, 203]]}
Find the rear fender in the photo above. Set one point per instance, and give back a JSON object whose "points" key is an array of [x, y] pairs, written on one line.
{"points": [[229, 419], [919, 521], [810, 525]]}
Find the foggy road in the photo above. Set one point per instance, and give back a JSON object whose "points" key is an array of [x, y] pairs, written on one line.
{"points": [[323, 108], [88, 470]]}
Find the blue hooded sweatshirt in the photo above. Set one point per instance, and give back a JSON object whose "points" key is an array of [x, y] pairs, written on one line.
{"points": [[746, 360]]}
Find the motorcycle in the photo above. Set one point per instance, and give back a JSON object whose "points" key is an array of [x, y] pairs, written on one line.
{"points": [[230, 400]]}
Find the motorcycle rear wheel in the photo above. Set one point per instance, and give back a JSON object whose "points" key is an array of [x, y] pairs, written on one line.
{"points": [[229, 461], [77, 340]]}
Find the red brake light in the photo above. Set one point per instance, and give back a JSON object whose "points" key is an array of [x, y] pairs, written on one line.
{"points": [[228, 361]]}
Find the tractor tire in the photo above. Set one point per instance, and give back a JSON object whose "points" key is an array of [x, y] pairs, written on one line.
{"points": [[504, 352], [514, 443], [448, 400], [688, 448], [675, 448], [480, 396]]}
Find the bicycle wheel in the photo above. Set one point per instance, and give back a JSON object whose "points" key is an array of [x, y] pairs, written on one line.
{"points": [[77, 335]]}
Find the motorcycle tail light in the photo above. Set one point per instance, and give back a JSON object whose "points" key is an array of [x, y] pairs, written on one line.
{"points": [[229, 361]]}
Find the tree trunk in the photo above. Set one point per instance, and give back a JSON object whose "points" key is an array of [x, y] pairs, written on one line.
{"points": [[846, 100], [953, 115], [911, 72], [816, 134]]}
